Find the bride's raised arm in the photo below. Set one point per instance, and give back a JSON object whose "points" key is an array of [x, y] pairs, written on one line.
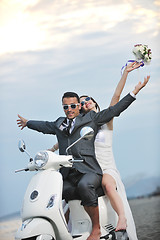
{"points": [[116, 96]]}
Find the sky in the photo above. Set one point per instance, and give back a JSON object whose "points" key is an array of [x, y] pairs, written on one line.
{"points": [[48, 47]]}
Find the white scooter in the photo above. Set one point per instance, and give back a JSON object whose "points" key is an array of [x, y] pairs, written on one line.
{"points": [[43, 211]]}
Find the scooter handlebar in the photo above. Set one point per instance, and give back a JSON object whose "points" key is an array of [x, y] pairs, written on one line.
{"points": [[76, 160], [20, 170], [31, 167]]}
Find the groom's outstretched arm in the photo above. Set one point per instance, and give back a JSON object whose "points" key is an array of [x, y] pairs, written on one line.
{"points": [[40, 126], [114, 111]]}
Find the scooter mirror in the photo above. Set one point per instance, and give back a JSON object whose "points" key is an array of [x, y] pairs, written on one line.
{"points": [[87, 133], [21, 146]]}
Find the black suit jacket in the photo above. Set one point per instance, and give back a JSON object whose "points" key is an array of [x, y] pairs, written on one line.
{"points": [[84, 149]]}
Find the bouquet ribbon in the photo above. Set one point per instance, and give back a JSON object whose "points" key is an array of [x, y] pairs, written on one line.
{"points": [[128, 62]]}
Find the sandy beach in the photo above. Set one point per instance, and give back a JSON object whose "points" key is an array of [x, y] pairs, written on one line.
{"points": [[147, 224], [9, 227]]}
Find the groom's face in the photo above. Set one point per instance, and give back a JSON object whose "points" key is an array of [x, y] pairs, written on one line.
{"points": [[73, 107]]}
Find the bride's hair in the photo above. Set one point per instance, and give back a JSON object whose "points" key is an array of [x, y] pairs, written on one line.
{"points": [[97, 106]]}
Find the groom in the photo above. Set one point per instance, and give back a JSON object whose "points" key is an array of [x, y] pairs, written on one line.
{"points": [[85, 177]]}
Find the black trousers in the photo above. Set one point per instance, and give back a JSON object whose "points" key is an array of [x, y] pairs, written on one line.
{"points": [[82, 186]]}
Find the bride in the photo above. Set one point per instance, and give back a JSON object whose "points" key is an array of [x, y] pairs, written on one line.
{"points": [[111, 181]]}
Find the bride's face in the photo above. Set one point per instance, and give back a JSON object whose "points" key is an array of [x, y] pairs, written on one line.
{"points": [[87, 104]]}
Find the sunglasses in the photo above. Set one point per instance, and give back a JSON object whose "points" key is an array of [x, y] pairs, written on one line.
{"points": [[85, 100], [73, 106]]}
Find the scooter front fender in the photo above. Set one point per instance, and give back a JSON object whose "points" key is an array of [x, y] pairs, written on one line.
{"points": [[34, 227], [43, 186]]}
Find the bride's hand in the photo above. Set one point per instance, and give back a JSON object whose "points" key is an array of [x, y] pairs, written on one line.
{"points": [[134, 65]]}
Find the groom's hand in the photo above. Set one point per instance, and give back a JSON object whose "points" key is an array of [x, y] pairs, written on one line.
{"points": [[141, 85], [21, 122]]}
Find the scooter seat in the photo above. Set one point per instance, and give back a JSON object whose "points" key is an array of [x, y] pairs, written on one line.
{"points": [[99, 192]]}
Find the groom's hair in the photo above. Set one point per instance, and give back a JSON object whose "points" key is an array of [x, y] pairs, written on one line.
{"points": [[71, 94]]}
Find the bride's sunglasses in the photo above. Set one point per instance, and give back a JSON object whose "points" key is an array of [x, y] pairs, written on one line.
{"points": [[73, 106], [85, 100]]}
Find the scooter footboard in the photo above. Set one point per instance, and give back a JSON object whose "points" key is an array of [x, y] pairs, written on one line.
{"points": [[35, 227]]}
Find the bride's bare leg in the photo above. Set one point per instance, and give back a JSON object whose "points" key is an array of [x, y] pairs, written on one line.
{"points": [[109, 186]]}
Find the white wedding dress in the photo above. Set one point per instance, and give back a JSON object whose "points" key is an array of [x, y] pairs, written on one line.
{"points": [[105, 158]]}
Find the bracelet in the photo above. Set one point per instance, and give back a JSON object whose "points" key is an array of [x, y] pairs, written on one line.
{"points": [[54, 148]]}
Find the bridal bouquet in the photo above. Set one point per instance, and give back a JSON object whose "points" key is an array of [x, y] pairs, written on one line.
{"points": [[142, 53]]}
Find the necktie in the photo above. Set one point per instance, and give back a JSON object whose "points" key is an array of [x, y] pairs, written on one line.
{"points": [[67, 129]]}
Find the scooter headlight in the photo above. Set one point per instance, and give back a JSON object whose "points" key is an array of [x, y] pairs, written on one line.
{"points": [[41, 159]]}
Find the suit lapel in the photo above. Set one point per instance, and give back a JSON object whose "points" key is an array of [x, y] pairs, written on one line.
{"points": [[80, 120], [59, 122]]}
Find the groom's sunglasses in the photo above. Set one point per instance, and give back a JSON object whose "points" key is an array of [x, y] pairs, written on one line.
{"points": [[85, 100], [73, 106]]}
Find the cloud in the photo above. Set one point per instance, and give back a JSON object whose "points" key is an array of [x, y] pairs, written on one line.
{"points": [[37, 25]]}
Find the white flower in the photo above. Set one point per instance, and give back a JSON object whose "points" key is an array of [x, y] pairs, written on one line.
{"points": [[142, 53]]}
